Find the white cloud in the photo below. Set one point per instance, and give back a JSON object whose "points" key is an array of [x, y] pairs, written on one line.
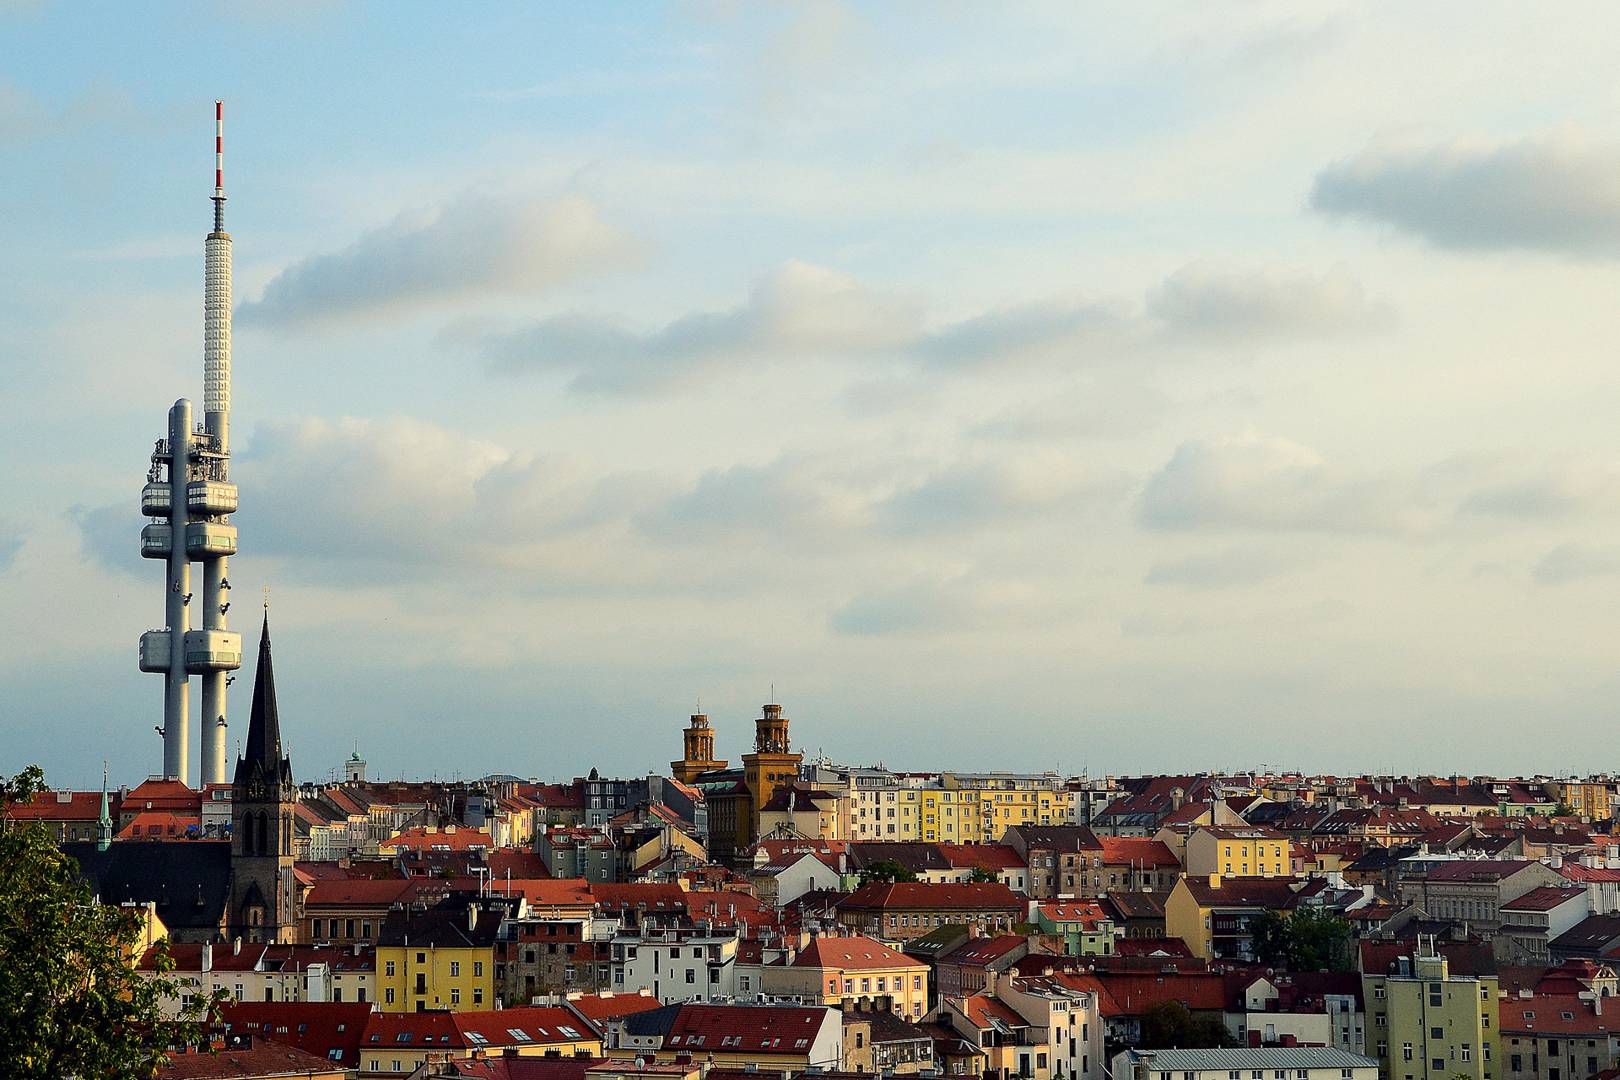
{"points": [[1251, 481], [472, 246], [1576, 562], [798, 311], [1550, 193], [1210, 305], [1226, 568]]}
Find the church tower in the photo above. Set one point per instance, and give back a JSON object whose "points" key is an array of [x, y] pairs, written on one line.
{"points": [[697, 752], [263, 905], [772, 765]]}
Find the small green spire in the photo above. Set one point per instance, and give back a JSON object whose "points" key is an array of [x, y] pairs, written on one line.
{"points": [[104, 825]]}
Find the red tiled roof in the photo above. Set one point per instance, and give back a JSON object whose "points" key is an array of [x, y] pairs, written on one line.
{"points": [[628, 896], [1086, 912], [981, 952], [470, 1030], [853, 954], [162, 795], [776, 1029], [50, 806], [315, 1027], [918, 895], [551, 892], [599, 1007], [260, 1059], [365, 892], [161, 824], [1555, 1014], [422, 839], [982, 1011], [990, 857], [1140, 851], [1135, 992], [1475, 869], [187, 956]]}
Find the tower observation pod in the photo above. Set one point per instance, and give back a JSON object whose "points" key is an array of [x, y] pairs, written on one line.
{"points": [[188, 498]]}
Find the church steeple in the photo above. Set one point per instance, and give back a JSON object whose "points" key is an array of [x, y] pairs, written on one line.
{"points": [[104, 825], [263, 897], [261, 758]]}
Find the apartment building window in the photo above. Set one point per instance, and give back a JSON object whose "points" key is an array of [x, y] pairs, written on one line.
{"points": [[315, 928], [478, 969], [1437, 1033], [388, 968], [455, 969], [1468, 1053], [455, 995], [1406, 1051], [1439, 1064], [388, 995], [478, 996], [1435, 994]]}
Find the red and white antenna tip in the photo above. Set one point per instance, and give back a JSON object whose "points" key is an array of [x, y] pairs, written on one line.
{"points": [[219, 148]]}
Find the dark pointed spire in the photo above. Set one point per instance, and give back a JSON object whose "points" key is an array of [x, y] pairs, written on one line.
{"points": [[262, 753]]}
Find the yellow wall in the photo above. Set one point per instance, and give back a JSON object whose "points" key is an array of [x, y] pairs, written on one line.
{"points": [[382, 1060], [452, 978], [1183, 918], [1229, 856]]}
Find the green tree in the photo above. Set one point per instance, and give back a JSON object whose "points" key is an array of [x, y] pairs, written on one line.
{"points": [[1307, 939], [1171, 1025], [71, 1002], [979, 873], [1563, 809], [887, 870]]}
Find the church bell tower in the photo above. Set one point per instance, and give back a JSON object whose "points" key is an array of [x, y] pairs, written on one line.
{"points": [[263, 896]]}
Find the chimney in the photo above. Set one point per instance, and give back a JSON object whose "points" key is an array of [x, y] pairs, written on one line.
{"points": [[236, 946], [472, 917], [208, 956], [1215, 881]]}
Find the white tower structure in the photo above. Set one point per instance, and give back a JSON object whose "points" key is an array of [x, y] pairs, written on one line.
{"points": [[189, 497]]}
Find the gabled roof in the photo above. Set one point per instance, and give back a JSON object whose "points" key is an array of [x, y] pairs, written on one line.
{"points": [[984, 1011], [654, 897], [1134, 905], [1475, 869], [59, 806], [1592, 934], [852, 954]]}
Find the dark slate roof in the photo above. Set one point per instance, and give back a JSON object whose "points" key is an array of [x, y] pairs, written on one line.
{"points": [[444, 927], [914, 855], [189, 880]]}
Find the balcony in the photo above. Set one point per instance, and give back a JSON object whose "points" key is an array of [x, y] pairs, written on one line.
{"points": [[155, 650]]}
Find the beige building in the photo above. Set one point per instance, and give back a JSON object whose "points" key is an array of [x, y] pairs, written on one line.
{"points": [[851, 971], [1237, 851]]}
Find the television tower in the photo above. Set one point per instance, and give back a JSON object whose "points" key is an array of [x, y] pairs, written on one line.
{"points": [[188, 498]]}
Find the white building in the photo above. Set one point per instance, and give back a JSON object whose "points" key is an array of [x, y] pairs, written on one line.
{"points": [[676, 965]]}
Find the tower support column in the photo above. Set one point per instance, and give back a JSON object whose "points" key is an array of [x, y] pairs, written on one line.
{"points": [[176, 683]]}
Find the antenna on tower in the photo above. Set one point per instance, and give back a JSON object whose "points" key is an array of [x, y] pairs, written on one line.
{"points": [[219, 166]]}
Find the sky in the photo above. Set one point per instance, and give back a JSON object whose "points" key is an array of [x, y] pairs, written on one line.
{"points": [[1111, 387]]}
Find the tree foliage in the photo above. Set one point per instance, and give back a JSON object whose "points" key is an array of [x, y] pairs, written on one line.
{"points": [[1306, 939], [980, 873], [1171, 1025], [887, 870], [71, 1002]]}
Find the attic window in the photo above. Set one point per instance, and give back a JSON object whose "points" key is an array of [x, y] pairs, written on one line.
{"points": [[568, 1032], [1567, 1015], [403, 1037], [519, 1034]]}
